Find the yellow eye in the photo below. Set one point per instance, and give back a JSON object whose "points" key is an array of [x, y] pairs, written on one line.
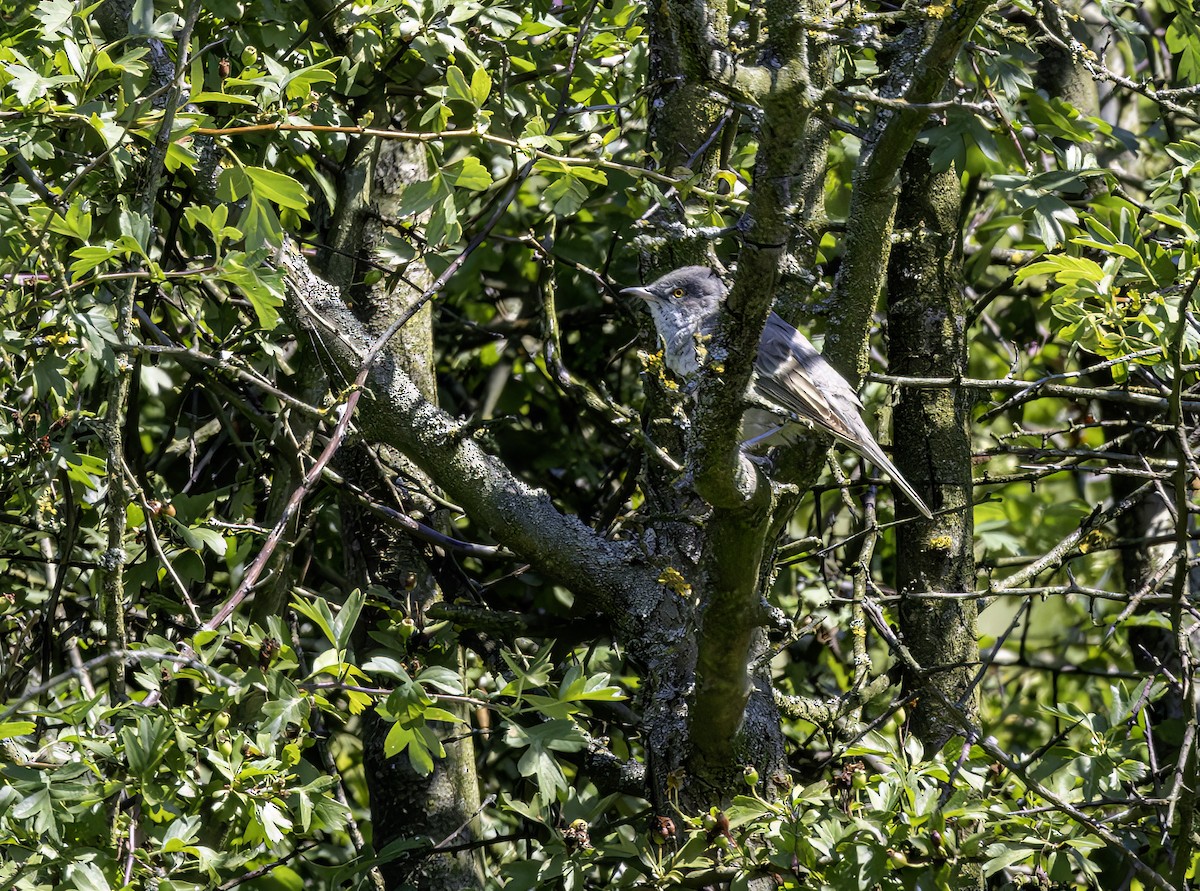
{"points": [[677, 293]]}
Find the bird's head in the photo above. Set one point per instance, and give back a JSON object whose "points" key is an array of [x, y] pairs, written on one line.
{"points": [[697, 289], [683, 304]]}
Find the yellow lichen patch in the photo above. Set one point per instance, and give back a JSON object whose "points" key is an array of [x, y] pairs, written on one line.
{"points": [[46, 505], [1093, 540], [941, 543], [59, 338], [653, 363], [673, 579]]}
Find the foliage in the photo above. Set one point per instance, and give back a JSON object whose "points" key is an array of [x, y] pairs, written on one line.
{"points": [[236, 757]]}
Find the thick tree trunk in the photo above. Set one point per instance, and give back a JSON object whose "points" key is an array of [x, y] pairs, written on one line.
{"points": [[926, 320], [444, 805], [685, 127]]}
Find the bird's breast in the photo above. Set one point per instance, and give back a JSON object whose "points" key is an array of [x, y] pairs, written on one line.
{"points": [[679, 352]]}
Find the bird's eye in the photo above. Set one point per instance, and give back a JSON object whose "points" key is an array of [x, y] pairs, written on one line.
{"points": [[677, 293]]}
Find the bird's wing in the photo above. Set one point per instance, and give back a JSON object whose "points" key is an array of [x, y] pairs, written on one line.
{"points": [[792, 375]]}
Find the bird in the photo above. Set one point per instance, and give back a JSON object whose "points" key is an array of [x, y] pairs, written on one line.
{"points": [[792, 380]]}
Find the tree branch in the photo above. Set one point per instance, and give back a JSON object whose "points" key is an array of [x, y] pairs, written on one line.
{"points": [[875, 185], [392, 410]]}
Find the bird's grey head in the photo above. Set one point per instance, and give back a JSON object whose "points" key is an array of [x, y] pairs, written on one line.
{"points": [[683, 304]]}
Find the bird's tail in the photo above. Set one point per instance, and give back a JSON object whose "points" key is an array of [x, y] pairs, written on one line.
{"points": [[871, 450]]}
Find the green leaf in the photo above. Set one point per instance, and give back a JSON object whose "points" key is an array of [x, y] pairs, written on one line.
{"points": [[144, 744], [403, 739], [347, 618], [85, 469], [86, 876], [89, 257], [387, 666], [556, 735], [468, 173], [459, 88], [49, 377], [273, 822], [214, 219], [71, 52], [179, 155], [443, 225], [1183, 39], [418, 197], [534, 136], [260, 223], [263, 287], [481, 86], [445, 679], [433, 713], [436, 116], [233, 184], [76, 222], [590, 174], [1064, 268], [1002, 856], [318, 610], [1049, 213], [230, 98], [9, 729], [1121, 250], [29, 85], [576, 688], [540, 764], [208, 538], [566, 194], [54, 16], [38, 807], [299, 83], [278, 187], [535, 675]]}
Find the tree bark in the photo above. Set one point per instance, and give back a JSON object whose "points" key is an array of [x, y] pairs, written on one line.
{"points": [[926, 322], [444, 805]]}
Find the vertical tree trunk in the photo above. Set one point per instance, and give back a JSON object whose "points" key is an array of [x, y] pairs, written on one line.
{"points": [[926, 319], [684, 129], [444, 805]]}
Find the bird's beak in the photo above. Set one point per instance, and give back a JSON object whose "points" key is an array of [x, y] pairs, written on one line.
{"points": [[644, 293]]}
